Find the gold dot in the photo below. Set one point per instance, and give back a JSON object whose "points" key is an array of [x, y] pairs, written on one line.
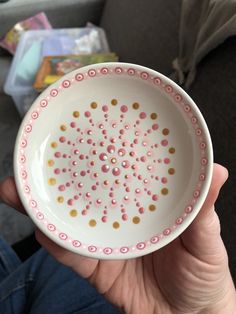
{"points": [[92, 223], [63, 128], [73, 213], [136, 220], [113, 160], [114, 102], [153, 116], [60, 199], [54, 145], [93, 105], [164, 191], [52, 181], [116, 225], [152, 208], [165, 131], [135, 106], [171, 171], [172, 150], [76, 114], [50, 162]]}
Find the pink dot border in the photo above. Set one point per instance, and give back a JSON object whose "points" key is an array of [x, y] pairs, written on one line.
{"points": [[41, 105]]}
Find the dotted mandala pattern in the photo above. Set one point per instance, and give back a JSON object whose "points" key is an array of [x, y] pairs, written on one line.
{"points": [[130, 148], [131, 164]]}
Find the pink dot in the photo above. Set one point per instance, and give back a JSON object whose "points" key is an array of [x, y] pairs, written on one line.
{"points": [[80, 185], [116, 171], [134, 167], [84, 212], [141, 210], [155, 197], [113, 202], [149, 192], [70, 202], [87, 114], [75, 174], [123, 108], [104, 108], [87, 206], [103, 156], [126, 198], [102, 143], [155, 126], [73, 124], [143, 158], [64, 170], [124, 217], [164, 180], [82, 173], [111, 149], [76, 152], [62, 139], [135, 141], [94, 188], [127, 189], [67, 184], [121, 152], [164, 142], [61, 188], [122, 131], [90, 141], [105, 168], [57, 155], [57, 171], [76, 197], [142, 115], [99, 201], [149, 168], [125, 164], [112, 139], [104, 219], [81, 157], [137, 191], [166, 161], [139, 177]]}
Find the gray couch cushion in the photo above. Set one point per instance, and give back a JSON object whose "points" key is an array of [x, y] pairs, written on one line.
{"points": [[214, 92], [143, 32]]}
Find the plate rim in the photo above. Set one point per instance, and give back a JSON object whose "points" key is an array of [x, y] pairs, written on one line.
{"points": [[168, 235]]}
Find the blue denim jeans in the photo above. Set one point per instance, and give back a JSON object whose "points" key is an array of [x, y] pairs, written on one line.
{"points": [[41, 285]]}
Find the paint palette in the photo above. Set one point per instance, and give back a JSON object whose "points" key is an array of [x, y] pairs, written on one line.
{"points": [[113, 161]]}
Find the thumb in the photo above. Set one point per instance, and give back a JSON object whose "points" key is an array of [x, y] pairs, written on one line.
{"points": [[202, 238]]}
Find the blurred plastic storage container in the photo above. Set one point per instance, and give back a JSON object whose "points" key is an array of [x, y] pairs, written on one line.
{"points": [[31, 50]]}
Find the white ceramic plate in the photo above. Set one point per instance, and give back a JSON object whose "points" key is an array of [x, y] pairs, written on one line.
{"points": [[113, 161]]}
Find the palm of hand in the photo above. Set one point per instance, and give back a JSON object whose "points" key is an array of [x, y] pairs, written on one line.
{"points": [[190, 275], [171, 280], [183, 277]]}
